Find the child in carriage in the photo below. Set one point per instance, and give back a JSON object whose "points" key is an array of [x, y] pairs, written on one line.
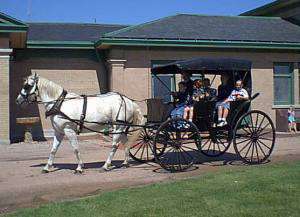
{"points": [[238, 93], [180, 99], [198, 94]]}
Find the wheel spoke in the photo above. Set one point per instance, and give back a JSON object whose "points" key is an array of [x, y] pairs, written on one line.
{"points": [[182, 151], [259, 131], [248, 149], [264, 144], [261, 150], [243, 141], [252, 152], [263, 138], [265, 133], [245, 146], [256, 151], [260, 124], [138, 150], [251, 122], [187, 153], [142, 152], [147, 151]]}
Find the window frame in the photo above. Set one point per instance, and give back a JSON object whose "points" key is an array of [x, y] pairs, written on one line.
{"points": [[290, 76], [173, 76]]}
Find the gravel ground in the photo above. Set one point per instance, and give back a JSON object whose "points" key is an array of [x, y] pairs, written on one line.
{"points": [[23, 185]]}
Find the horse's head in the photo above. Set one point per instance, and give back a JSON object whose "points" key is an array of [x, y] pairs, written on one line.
{"points": [[29, 92]]}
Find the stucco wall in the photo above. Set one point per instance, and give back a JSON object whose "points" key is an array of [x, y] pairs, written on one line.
{"points": [[76, 71], [137, 75]]}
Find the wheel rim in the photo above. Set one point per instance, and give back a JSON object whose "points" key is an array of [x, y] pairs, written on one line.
{"points": [[216, 143], [254, 137], [178, 137]]}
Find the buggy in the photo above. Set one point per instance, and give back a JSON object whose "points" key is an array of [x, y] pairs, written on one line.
{"points": [[176, 143]]}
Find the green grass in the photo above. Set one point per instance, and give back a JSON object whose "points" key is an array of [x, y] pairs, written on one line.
{"points": [[269, 190]]}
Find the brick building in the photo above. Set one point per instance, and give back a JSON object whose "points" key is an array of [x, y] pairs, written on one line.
{"points": [[93, 58]]}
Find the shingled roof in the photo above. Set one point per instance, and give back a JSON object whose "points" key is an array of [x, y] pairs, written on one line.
{"points": [[69, 31], [217, 28]]}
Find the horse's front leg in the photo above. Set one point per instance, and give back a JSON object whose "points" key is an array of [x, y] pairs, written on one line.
{"points": [[58, 137], [71, 134]]}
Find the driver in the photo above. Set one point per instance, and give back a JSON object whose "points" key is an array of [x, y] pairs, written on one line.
{"points": [[186, 78]]}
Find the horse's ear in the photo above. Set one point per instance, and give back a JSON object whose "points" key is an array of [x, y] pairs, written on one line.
{"points": [[35, 75]]}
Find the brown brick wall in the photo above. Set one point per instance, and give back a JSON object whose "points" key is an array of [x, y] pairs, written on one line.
{"points": [[77, 71], [4, 99]]}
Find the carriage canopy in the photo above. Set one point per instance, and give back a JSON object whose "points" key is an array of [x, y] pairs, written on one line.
{"points": [[207, 65]]}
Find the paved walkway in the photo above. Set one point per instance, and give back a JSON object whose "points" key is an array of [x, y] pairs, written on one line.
{"points": [[22, 184]]}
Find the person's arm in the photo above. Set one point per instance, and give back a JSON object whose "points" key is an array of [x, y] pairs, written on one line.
{"points": [[243, 96]]}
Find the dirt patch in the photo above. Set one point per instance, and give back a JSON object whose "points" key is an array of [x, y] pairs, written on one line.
{"points": [[23, 184]]}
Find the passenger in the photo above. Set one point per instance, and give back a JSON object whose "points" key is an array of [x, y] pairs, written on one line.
{"points": [[186, 78], [239, 93], [180, 99], [224, 89], [209, 91], [198, 94]]}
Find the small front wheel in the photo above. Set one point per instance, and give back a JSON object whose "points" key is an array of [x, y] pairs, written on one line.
{"points": [[254, 137], [181, 142], [142, 150]]}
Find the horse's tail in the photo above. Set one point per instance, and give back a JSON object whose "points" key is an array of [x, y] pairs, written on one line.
{"points": [[138, 119]]}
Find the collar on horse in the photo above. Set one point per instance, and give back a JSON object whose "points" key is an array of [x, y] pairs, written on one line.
{"points": [[56, 107]]}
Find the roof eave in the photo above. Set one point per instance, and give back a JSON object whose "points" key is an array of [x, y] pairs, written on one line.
{"points": [[60, 44], [104, 42], [265, 9]]}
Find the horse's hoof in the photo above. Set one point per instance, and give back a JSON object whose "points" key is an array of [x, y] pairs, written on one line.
{"points": [[45, 171], [108, 168], [78, 171], [125, 165]]}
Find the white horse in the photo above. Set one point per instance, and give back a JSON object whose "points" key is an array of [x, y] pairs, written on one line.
{"points": [[110, 107]]}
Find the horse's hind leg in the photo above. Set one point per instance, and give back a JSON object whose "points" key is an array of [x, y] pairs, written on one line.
{"points": [[58, 137], [71, 134]]}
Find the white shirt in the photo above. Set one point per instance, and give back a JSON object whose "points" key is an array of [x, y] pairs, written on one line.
{"points": [[242, 92]]}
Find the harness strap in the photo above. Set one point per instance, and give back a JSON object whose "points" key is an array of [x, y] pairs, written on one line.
{"points": [[56, 107], [83, 114]]}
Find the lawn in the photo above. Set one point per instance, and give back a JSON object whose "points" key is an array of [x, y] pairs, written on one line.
{"points": [[265, 190]]}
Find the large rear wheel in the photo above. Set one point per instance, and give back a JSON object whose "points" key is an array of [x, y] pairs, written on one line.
{"points": [[254, 137], [181, 141]]}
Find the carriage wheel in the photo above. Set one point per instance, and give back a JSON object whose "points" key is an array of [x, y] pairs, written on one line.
{"points": [[142, 151], [181, 141], [254, 137], [216, 143]]}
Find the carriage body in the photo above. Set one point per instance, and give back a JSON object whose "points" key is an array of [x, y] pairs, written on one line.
{"points": [[251, 132]]}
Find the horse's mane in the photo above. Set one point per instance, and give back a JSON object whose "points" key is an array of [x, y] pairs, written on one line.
{"points": [[50, 88]]}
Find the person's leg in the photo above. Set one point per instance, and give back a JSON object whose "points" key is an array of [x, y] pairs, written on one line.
{"points": [[290, 127], [186, 112], [191, 114], [295, 127], [220, 113]]}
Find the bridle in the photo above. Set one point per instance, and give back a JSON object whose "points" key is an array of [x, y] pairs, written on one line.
{"points": [[30, 97]]}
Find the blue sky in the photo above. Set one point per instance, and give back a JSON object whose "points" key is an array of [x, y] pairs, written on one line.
{"points": [[119, 11]]}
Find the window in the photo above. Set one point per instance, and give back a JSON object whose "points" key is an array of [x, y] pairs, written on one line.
{"points": [[160, 90], [283, 84]]}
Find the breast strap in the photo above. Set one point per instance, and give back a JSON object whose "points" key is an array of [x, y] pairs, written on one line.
{"points": [[56, 107]]}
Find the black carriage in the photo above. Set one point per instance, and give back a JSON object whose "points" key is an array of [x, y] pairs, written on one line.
{"points": [[176, 143]]}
